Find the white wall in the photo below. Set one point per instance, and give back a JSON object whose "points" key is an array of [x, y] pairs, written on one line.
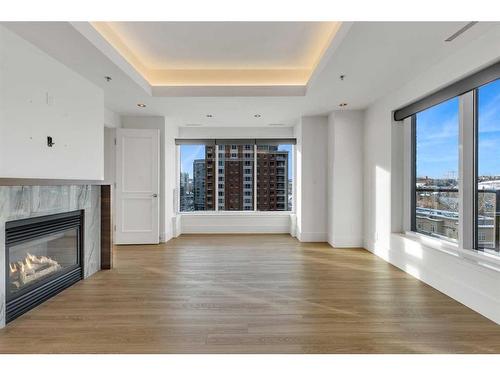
{"points": [[345, 179], [153, 122], [112, 119], [469, 283], [40, 97], [109, 155], [229, 222], [171, 176], [311, 172]]}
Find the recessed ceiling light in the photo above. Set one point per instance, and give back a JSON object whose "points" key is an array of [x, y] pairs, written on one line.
{"points": [[256, 115], [142, 105], [343, 105], [210, 116]]}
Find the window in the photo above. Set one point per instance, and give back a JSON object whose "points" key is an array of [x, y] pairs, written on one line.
{"points": [[197, 178], [455, 162], [274, 177], [436, 164], [222, 177], [488, 168]]}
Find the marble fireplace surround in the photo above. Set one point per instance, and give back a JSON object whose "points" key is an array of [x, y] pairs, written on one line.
{"points": [[25, 201]]}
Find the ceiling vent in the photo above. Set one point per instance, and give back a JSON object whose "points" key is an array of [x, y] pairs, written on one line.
{"points": [[460, 32]]}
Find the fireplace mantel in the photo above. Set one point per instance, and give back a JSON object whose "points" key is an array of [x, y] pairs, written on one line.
{"points": [[12, 181]]}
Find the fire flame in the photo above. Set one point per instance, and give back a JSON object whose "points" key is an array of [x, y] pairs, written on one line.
{"points": [[28, 263]]}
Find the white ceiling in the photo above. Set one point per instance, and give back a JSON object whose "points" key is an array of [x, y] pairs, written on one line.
{"points": [[376, 59], [224, 45]]}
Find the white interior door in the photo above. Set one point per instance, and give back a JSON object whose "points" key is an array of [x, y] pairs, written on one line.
{"points": [[137, 186]]}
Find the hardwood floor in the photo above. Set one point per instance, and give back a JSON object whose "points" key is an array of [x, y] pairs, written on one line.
{"points": [[249, 294]]}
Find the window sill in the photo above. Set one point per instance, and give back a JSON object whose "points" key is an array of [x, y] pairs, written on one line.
{"points": [[486, 260], [236, 213], [449, 247]]}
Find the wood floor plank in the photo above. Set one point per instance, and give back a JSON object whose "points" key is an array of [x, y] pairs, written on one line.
{"points": [[249, 294]]}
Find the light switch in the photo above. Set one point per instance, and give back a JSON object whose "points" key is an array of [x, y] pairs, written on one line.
{"points": [[50, 99]]}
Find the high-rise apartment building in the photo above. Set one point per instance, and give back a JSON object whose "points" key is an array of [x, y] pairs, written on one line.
{"points": [[210, 199], [272, 179], [235, 177], [235, 182], [184, 191], [199, 184]]}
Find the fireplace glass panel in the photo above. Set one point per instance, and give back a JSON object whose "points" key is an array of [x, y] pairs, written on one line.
{"points": [[38, 259]]}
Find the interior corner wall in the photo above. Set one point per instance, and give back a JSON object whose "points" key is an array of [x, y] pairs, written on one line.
{"points": [[345, 179], [153, 122], [311, 133], [40, 97], [171, 176], [112, 119], [469, 283]]}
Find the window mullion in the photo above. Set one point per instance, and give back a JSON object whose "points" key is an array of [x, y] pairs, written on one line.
{"points": [[255, 177], [409, 175], [178, 178], [216, 198], [466, 176]]}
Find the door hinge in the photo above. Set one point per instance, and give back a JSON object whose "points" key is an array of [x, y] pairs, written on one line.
{"points": [[115, 141], [114, 228]]}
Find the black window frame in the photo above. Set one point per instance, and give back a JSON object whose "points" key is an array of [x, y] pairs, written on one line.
{"points": [[475, 220]]}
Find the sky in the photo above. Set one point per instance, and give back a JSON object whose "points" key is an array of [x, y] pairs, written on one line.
{"points": [[437, 136], [489, 129], [189, 153]]}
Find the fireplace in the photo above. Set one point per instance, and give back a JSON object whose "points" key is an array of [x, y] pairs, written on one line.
{"points": [[43, 257]]}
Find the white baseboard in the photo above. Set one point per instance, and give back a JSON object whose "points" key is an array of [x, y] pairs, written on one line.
{"points": [[345, 242], [312, 236], [233, 229]]}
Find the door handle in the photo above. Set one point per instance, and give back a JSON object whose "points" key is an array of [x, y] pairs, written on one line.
{"points": [[155, 195]]}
